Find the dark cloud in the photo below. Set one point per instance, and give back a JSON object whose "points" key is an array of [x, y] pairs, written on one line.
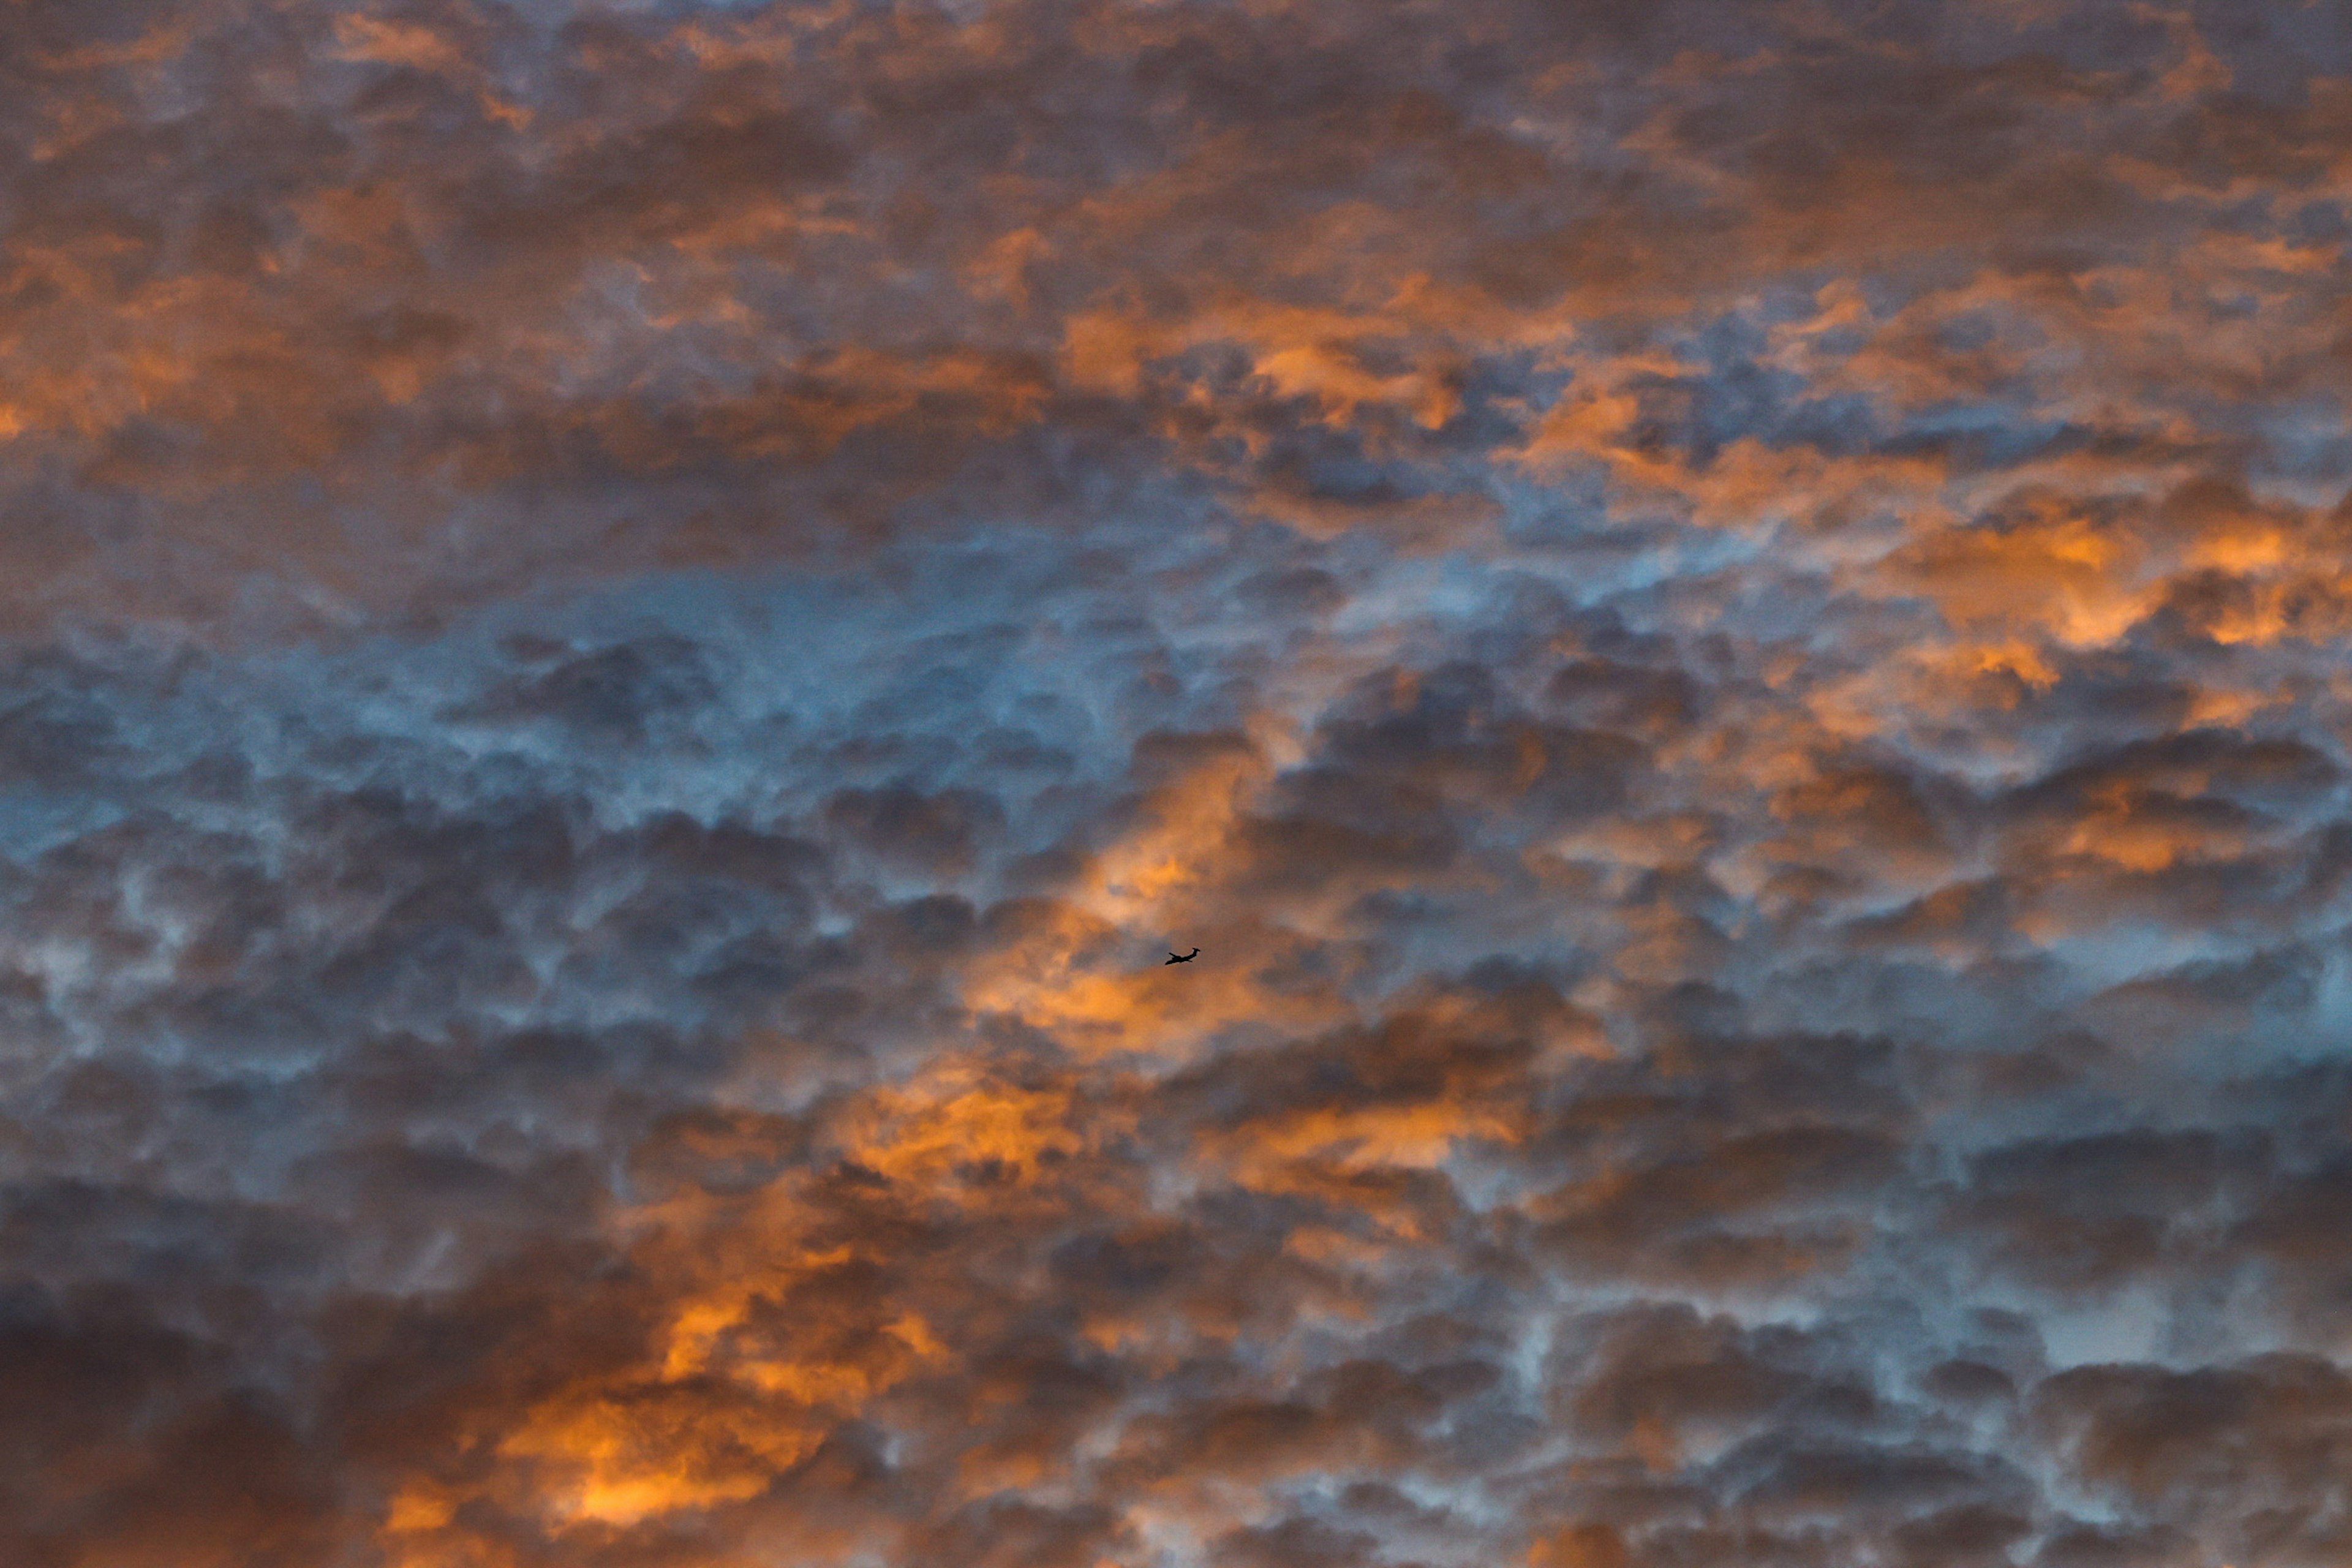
{"points": [[630, 630]]}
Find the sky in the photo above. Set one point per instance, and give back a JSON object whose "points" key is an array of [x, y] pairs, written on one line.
{"points": [[628, 630]]}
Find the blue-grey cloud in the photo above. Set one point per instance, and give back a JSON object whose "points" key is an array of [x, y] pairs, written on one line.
{"points": [[630, 630]]}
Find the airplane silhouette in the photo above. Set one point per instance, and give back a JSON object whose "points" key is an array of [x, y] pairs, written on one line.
{"points": [[1186, 958]]}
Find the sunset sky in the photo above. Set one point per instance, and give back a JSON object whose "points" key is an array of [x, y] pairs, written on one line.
{"points": [[628, 630]]}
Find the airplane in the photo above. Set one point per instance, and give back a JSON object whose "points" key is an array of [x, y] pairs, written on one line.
{"points": [[1182, 958]]}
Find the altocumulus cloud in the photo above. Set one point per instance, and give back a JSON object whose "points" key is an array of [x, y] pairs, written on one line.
{"points": [[626, 629]]}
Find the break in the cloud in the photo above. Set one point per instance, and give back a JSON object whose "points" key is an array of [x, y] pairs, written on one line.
{"points": [[629, 629]]}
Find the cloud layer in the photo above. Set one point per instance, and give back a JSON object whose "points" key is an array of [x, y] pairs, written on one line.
{"points": [[629, 628]]}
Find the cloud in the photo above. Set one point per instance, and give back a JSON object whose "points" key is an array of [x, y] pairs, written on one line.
{"points": [[629, 630]]}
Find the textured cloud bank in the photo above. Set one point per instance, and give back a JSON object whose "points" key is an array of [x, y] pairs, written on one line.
{"points": [[628, 630]]}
